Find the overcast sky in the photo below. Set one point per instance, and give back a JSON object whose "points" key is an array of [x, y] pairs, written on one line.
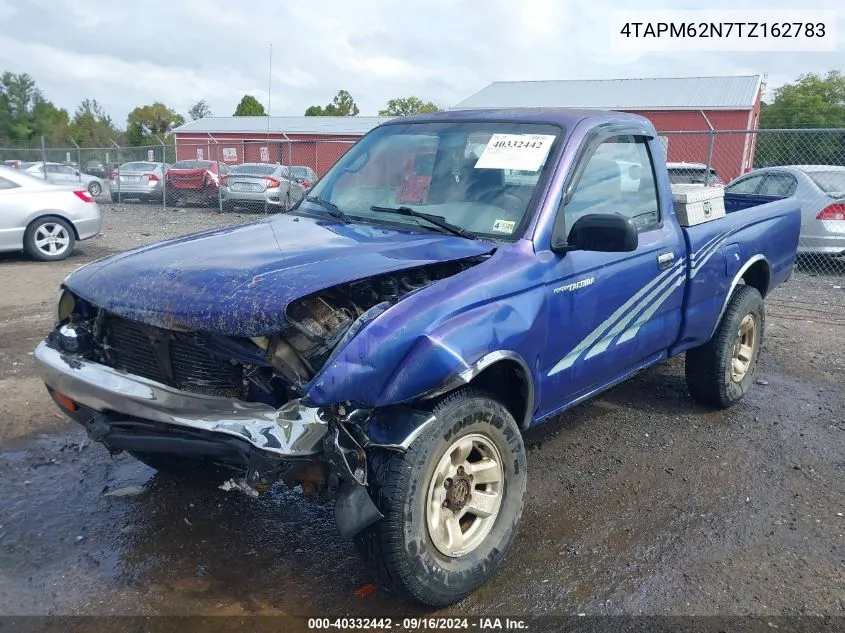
{"points": [[131, 53]]}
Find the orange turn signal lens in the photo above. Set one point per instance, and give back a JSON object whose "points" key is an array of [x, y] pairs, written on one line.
{"points": [[64, 401]]}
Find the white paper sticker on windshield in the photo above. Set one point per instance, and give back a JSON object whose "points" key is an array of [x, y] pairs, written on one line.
{"points": [[525, 152], [504, 226]]}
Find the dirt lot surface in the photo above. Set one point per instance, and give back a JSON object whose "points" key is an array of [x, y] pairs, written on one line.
{"points": [[639, 502]]}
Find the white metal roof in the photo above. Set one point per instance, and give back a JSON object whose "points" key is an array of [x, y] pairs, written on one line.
{"points": [[336, 125], [683, 93]]}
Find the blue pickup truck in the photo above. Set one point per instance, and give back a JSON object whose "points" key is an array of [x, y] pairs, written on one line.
{"points": [[452, 280]]}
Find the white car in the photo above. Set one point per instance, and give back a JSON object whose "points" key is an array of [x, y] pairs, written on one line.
{"points": [[821, 191], [42, 219], [60, 174]]}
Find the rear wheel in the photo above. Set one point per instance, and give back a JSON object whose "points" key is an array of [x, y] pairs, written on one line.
{"points": [[720, 372], [95, 188], [451, 502], [49, 239]]}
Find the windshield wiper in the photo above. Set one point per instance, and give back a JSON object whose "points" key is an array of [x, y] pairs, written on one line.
{"points": [[332, 208], [436, 220]]}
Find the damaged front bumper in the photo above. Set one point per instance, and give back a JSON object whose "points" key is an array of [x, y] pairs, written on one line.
{"points": [[289, 432], [132, 413]]}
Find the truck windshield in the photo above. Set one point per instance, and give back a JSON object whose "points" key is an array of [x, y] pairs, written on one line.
{"points": [[477, 176]]}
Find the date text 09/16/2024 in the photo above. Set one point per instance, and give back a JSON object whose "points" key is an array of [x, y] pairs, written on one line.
{"points": [[422, 624]]}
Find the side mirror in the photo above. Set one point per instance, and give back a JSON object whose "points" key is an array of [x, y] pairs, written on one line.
{"points": [[600, 232]]}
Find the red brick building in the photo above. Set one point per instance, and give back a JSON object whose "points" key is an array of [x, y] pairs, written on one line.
{"points": [[315, 142], [672, 104]]}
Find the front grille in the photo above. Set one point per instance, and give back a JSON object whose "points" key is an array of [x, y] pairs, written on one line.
{"points": [[171, 358], [130, 349]]}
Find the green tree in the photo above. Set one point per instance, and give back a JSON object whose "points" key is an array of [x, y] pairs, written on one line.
{"points": [[405, 106], [342, 105], [249, 106], [25, 115], [144, 123], [813, 101], [199, 110], [91, 126]]}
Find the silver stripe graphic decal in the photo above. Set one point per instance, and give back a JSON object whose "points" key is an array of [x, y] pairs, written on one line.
{"points": [[630, 333], [623, 323], [568, 360], [645, 302]]}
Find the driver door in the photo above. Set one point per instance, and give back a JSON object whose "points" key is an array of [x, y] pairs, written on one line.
{"points": [[612, 313]]}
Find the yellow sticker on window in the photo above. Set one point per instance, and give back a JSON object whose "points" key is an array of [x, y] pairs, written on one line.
{"points": [[504, 226]]}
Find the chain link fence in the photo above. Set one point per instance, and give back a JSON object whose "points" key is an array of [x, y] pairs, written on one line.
{"points": [[267, 175], [97, 169], [807, 166]]}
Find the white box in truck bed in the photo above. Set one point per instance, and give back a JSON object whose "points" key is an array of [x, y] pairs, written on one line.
{"points": [[695, 204]]}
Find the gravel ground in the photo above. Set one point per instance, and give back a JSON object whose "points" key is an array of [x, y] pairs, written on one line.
{"points": [[639, 502]]}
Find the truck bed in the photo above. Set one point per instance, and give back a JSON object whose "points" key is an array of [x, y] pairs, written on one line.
{"points": [[756, 228], [739, 201]]}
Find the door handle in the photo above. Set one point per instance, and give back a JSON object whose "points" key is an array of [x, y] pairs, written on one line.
{"points": [[664, 260]]}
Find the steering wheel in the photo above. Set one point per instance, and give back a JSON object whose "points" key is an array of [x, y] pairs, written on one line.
{"points": [[498, 197]]}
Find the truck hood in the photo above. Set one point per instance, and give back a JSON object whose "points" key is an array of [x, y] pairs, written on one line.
{"points": [[237, 281]]}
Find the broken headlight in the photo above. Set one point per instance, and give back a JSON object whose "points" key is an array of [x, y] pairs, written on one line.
{"points": [[64, 305]]}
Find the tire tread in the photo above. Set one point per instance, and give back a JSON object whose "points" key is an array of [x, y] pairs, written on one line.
{"points": [[704, 365], [380, 545]]}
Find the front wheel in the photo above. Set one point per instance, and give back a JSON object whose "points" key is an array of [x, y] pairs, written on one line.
{"points": [[49, 239], [720, 372], [451, 502]]}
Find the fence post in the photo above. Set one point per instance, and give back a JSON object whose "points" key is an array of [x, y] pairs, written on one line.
{"points": [[78, 159], [44, 157], [117, 173], [163, 173], [710, 141]]}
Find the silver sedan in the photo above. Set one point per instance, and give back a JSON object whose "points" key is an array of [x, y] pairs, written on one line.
{"points": [[61, 174], [820, 189], [255, 186], [42, 219], [141, 179]]}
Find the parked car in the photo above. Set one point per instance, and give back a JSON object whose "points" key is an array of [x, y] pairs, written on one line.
{"points": [[398, 350], [693, 174], [96, 168], [43, 219], [143, 180], [258, 185], [194, 182], [13, 163], [818, 189], [61, 174], [305, 176]]}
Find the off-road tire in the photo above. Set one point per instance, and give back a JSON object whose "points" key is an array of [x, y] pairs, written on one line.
{"points": [[397, 550], [708, 368]]}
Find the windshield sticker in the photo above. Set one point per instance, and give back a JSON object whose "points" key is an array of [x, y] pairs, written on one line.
{"points": [[504, 226], [524, 152]]}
